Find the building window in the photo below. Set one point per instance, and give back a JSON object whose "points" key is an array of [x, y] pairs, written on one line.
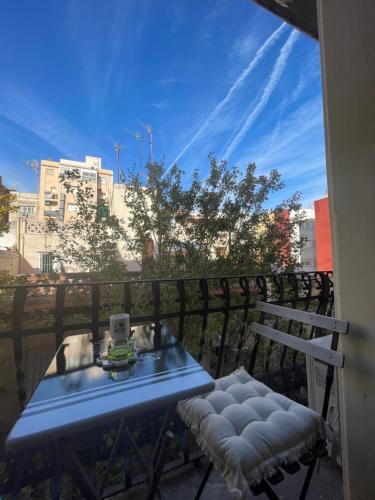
{"points": [[65, 170], [88, 175], [72, 207], [50, 171], [45, 262], [309, 243], [308, 224], [102, 180], [27, 210]]}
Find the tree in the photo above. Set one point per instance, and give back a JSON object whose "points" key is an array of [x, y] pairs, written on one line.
{"points": [[159, 211], [7, 205], [90, 239], [223, 224]]}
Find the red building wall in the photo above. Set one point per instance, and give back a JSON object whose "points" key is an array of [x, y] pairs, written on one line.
{"points": [[323, 235]]}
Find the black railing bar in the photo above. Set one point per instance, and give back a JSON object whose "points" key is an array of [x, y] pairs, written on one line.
{"points": [[150, 280], [67, 310], [139, 319], [135, 319]]}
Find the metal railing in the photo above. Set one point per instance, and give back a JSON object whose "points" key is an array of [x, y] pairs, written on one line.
{"points": [[154, 301], [209, 315]]}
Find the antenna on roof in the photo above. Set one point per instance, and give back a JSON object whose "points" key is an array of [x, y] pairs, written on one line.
{"points": [[117, 148], [34, 164], [138, 137], [148, 129]]}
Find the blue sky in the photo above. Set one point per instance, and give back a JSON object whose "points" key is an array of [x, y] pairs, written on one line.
{"points": [[221, 76]]}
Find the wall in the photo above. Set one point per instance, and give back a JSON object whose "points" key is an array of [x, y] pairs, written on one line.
{"points": [[347, 41], [33, 239], [308, 252], [8, 241], [122, 212], [323, 235], [306, 230], [9, 261]]}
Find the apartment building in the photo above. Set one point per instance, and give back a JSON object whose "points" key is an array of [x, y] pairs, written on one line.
{"points": [[306, 230], [55, 203], [28, 235], [119, 208]]}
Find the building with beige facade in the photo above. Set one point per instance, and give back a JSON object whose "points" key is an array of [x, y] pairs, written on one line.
{"points": [[55, 203], [119, 208], [28, 244]]}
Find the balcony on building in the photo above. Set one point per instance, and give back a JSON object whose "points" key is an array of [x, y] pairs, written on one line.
{"points": [[50, 196], [51, 213]]}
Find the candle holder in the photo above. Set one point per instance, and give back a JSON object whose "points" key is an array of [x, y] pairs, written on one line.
{"points": [[122, 352]]}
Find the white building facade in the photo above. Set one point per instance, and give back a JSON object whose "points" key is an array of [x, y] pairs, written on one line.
{"points": [[306, 231]]}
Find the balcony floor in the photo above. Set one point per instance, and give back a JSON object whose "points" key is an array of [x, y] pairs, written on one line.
{"points": [[183, 484]]}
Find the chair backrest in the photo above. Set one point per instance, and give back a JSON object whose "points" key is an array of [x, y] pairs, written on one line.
{"points": [[330, 356], [337, 326]]}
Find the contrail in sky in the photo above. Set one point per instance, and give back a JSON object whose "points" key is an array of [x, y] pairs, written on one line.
{"points": [[276, 74], [237, 84]]}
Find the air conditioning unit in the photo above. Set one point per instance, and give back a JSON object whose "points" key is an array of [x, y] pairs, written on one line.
{"points": [[316, 382]]}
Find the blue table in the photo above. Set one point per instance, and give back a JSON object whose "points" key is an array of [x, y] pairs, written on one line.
{"points": [[75, 395]]}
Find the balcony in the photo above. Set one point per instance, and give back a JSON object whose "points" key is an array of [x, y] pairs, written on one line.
{"points": [[209, 316], [51, 213], [50, 203], [48, 195]]}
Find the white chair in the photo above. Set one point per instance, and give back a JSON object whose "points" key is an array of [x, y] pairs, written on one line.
{"points": [[248, 431]]}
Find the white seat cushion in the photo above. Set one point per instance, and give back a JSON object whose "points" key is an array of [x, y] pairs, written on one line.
{"points": [[247, 430]]}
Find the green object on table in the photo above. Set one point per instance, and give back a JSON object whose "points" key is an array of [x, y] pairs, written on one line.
{"points": [[119, 353]]}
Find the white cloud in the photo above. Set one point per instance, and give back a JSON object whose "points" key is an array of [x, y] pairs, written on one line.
{"points": [[12, 176], [244, 46], [176, 14], [232, 91], [288, 134], [170, 81], [216, 11], [275, 76], [159, 105], [102, 48], [26, 110]]}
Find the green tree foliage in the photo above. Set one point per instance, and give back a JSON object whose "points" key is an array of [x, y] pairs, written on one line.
{"points": [[223, 224], [159, 211], [90, 239], [7, 205]]}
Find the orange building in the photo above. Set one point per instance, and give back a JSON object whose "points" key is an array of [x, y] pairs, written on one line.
{"points": [[323, 235]]}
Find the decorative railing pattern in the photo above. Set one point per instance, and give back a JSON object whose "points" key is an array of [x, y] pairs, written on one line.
{"points": [[35, 227], [209, 315]]}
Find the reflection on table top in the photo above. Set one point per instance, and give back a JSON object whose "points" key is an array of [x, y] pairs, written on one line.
{"points": [[81, 351], [75, 393]]}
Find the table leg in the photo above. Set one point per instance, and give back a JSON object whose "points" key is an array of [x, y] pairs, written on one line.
{"points": [[113, 455], [155, 470], [17, 471], [122, 432], [160, 452], [76, 470]]}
